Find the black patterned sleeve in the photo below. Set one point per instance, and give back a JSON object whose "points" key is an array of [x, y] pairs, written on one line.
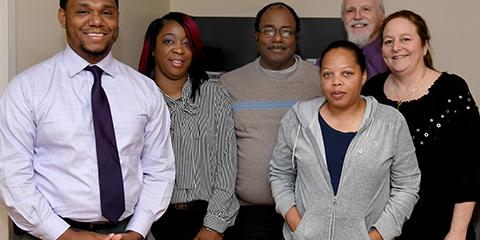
{"points": [[466, 142]]}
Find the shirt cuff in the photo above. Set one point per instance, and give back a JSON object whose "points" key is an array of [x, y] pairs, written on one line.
{"points": [[140, 223], [284, 203], [386, 231], [51, 228], [215, 223]]}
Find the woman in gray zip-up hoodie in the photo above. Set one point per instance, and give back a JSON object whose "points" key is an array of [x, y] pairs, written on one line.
{"points": [[379, 181]]}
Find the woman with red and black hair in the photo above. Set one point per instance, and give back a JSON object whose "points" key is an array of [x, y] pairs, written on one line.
{"points": [[203, 203]]}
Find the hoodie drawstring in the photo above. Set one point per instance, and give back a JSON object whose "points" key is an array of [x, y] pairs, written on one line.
{"points": [[294, 146], [366, 136]]}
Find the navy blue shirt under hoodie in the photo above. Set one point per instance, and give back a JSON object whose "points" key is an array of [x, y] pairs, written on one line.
{"points": [[336, 145]]}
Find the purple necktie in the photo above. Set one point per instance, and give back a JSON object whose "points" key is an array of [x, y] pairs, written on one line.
{"points": [[109, 171]]}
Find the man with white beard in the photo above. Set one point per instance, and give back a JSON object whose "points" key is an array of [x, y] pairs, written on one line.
{"points": [[362, 20]]}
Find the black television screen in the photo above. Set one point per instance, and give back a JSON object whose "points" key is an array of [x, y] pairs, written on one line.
{"points": [[229, 42]]}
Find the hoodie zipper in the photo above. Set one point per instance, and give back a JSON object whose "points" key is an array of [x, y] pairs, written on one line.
{"points": [[332, 217], [352, 144]]}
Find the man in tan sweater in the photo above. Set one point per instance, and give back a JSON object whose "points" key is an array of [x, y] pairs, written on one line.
{"points": [[261, 92]]}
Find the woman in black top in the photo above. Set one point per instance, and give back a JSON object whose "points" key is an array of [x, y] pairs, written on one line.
{"points": [[444, 123]]}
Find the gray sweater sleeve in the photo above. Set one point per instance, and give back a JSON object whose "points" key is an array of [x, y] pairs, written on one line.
{"points": [[282, 172], [405, 183]]}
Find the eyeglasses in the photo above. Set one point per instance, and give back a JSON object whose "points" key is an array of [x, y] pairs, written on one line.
{"points": [[271, 32]]}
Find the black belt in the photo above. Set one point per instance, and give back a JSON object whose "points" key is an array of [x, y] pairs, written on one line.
{"points": [[87, 226], [197, 204], [94, 226]]}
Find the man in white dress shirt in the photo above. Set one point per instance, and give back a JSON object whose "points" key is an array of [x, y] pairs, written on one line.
{"points": [[49, 177]]}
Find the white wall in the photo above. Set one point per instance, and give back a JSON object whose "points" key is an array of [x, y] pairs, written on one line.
{"points": [[454, 26]]}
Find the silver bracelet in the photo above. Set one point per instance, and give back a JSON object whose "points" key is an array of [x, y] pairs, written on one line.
{"points": [[213, 230]]}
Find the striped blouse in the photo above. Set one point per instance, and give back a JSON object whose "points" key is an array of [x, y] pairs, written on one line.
{"points": [[205, 148]]}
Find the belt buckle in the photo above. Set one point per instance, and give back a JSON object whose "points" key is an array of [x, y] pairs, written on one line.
{"points": [[98, 223], [181, 206], [91, 226]]}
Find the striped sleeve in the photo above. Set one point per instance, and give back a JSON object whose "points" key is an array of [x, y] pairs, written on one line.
{"points": [[223, 205]]}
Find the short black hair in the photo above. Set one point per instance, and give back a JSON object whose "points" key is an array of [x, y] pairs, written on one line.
{"points": [[63, 4], [349, 46], [264, 9]]}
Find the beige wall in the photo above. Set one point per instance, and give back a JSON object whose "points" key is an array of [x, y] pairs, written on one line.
{"points": [[7, 58], [6, 71], [135, 16], [39, 35], [249, 8], [455, 33], [454, 27]]}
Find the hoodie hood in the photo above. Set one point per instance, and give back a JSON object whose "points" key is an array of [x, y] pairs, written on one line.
{"points": [[307, 112]]}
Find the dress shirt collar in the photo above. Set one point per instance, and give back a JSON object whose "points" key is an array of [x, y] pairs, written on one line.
{"points": [[75, 64]]}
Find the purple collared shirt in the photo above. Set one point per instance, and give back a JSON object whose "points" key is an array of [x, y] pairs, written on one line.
{"points": [[373, 56]]}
